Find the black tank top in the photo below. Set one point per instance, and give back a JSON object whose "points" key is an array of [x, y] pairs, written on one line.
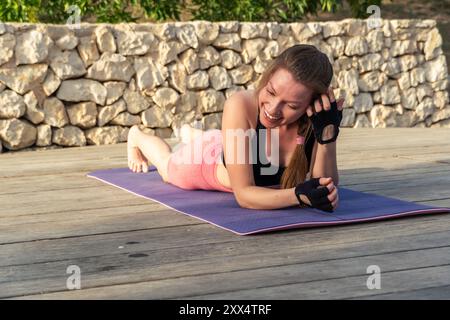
{"points": [[269, 180]]}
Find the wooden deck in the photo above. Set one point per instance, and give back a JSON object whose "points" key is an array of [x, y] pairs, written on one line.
{"points": [[53, 216]]}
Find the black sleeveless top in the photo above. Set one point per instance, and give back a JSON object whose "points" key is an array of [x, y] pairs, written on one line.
{"points": [[269, 180]]}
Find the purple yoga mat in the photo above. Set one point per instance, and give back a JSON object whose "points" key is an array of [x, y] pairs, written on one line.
{"points": [[222, 210]]}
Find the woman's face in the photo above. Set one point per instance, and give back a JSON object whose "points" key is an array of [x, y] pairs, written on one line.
{"points": [[283, 100]]}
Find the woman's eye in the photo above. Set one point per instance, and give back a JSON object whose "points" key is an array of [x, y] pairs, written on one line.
{"points": [[270, 92]]}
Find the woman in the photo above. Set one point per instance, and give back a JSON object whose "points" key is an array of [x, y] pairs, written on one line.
{"points": [[293, 105]]}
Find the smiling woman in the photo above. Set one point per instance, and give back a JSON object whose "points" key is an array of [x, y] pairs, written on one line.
{"points": [[281, 108]]}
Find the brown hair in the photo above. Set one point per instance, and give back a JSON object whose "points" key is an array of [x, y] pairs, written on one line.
{"points": [[312, 68]]}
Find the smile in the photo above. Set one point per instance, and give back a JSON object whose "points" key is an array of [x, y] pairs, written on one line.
{"points": [[272, 118]]}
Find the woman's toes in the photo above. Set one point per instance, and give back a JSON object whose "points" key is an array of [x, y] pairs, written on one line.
{"points": [[144, 167]]}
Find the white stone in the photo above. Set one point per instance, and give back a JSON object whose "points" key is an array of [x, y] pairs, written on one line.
{"points": [[251, 49], [149, 74], [228, 41], [187, 36], [67, 64], [331, 29], [363, 102], [105, 40], [67, 42], [134, 43], [114, 91], [136, 102], [177, 78], [390, 93], [7, 44], [348, 117], [55, 113], [208, 56], [17, 134], [104, 135], [404, 81], [166, 98], [211, 101], [425, 108], [402, 47], [417, 76], [369, 62], [371, 81], [440, 115], [391, 67], [230, 59], [251, 30], [33, 113], [156, 117], [51, 83], [87, 48], [126, 119], [362, 121], [107, 113], [375, 40], [409, 99], [337, 45], [206, 31], [219, 78], [440, 99], [407, 62], [23, 78], [111, 66], [82, 90], [435, 69], [424, 90], [382, 116], [433, 44], [83, 115], [190, 61], [348, 80], [44, 135], [273, 30], [188, 101], [12, 105], [197, 80], [69, 136], [356, 46], [32, 47], [229, 26], [241, 74]]}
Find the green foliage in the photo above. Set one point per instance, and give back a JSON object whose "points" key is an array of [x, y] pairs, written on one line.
{"points": [[113, 11]]}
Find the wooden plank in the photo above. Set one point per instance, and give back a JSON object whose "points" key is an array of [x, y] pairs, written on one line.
{"points": [[433, 293], [343, 277], [188, 254]]}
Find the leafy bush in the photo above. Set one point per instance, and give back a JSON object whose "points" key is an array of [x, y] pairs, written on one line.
{"points": [[57, 11]]}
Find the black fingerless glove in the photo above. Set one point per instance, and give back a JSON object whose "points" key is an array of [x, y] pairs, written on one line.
{"points": [[324, 118], [317, 196]]}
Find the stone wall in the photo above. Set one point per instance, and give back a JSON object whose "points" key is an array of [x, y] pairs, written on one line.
{"points": [[71, 87]]}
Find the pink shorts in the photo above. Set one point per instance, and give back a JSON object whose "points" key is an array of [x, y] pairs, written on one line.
{"points": [[194, 165]]}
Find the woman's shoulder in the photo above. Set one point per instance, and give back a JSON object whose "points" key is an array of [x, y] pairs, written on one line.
{"points": [[242, 104]]}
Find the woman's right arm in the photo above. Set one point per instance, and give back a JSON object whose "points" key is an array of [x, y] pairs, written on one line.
{"points": [[240, 170]]}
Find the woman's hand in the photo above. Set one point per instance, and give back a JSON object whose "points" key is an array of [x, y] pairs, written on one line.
{"points": [[319, 193], [326, 116]]}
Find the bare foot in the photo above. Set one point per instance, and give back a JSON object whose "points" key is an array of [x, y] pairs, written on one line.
{"points": [[137, 162]]}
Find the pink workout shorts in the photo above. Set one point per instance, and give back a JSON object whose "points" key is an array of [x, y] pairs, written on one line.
{"points": [[194, 165]]}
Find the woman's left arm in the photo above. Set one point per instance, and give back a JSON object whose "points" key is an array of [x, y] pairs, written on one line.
{"points": [[324, 118], [324, 163]]}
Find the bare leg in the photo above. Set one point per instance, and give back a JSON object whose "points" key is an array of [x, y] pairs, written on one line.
{"points": [[188, 133], [143, 148]]}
